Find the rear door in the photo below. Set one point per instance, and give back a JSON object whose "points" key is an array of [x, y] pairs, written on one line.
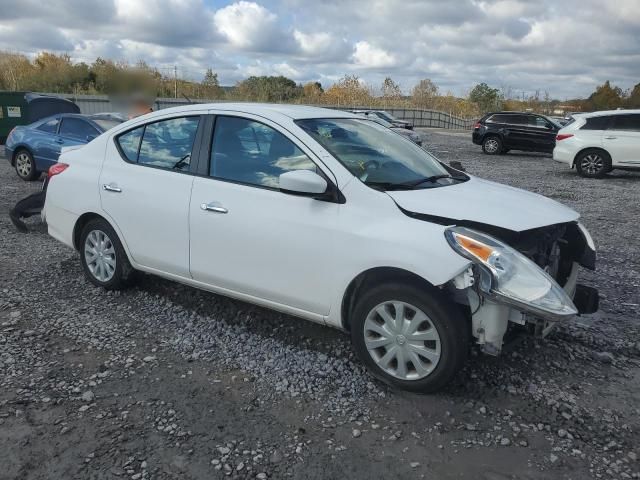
{"points": [[517, 132], [622, 139], [145, 188]]}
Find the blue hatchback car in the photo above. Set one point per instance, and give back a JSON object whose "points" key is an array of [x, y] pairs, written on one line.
{"points": [[33, 148]]}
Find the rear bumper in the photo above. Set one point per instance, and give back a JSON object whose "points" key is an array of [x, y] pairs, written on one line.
{"points": [[563, 154], [476, 137], [8, 154]]}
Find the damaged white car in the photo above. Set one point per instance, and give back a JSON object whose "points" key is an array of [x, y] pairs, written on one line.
{"points": [[328, 217]]}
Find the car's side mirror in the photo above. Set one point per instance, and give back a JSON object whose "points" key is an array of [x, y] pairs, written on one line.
{"points": [[302, 182]]}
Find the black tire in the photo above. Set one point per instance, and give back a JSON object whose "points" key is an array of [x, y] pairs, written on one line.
{"points": [[492, 145], [25, 165], [117, 277], [443, 315], [593, 163]]}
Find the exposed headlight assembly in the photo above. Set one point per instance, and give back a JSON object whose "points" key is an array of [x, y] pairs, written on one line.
{"points": [[509, 277]]}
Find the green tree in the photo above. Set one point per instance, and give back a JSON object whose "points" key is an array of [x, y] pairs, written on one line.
{"points": [[606, 97], [486, 97], [211, 85], [633, 101], [267, 89]]}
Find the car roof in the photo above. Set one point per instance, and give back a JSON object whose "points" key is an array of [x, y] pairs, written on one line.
{"points": [[604, 112], [296, 112]]}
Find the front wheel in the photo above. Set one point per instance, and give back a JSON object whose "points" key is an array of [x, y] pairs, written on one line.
{"points": [[492, 145], [411, 338], [103, 258]]}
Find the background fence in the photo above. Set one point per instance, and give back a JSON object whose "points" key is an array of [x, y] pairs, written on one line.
{"points": [[420, 118]]}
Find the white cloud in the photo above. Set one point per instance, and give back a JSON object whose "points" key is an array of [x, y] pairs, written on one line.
{"points": [[368, 56], [246, 24]]}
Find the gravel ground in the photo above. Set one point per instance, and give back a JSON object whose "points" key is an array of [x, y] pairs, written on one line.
{"points": [[164, 381]]}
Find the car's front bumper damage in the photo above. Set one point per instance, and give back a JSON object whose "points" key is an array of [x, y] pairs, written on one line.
{"points": [[492, 316]]}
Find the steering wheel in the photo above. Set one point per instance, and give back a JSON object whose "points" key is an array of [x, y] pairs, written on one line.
{"points": [[371, 163]]}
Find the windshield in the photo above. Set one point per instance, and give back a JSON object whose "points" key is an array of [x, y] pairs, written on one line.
{"points": [[388, 117], [378, 156], [379, 121]]}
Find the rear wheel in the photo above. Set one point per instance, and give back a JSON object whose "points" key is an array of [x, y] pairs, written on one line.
{"points": [[593, 163], [409, 337], [25, 165], [103, 258], [492, 145]]}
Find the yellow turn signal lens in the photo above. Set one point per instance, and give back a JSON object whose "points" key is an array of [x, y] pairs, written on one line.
{"points": [[480, 250]]}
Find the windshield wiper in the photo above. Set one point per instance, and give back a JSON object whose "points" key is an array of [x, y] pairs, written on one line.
{"points": [[420, 181]]}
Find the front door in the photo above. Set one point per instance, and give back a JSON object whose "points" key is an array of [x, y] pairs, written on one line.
{"points": [[246, 235], [542, 134], [145, 188]]}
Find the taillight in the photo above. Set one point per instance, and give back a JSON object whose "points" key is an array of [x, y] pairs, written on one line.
{"points": [[563, 136], [477, 125], [56, 169]]}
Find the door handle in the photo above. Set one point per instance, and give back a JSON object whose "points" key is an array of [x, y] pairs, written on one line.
{"points": [[213, 207], [111, 188], [59, 140], [610, 138]]}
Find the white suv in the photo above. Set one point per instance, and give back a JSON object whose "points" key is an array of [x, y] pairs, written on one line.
{"points": [[328, 217], [596, 143]]}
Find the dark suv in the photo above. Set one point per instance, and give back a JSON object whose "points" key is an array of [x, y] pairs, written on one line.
{"points": [[500, 132]]}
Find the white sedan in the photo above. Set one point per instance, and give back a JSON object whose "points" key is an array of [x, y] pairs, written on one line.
{"points": [[328, 217]]}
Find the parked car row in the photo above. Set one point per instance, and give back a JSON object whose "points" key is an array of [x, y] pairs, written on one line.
{"points": [[410, 134], [328, 217], [594, 143]]}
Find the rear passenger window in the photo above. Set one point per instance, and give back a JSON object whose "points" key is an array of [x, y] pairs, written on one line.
{"points": [[49, 127], [165, 144], [596, 123], [630, 122], [497, 119], [130, 143]]}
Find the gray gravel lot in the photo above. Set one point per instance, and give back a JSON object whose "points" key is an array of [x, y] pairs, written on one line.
{"points": [[164, 381]]}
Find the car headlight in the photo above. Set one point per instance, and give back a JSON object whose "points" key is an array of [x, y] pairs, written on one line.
{"points": [[509, 276]]}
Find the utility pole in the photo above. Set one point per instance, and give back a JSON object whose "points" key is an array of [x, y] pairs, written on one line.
{"points": [[175, 81]]}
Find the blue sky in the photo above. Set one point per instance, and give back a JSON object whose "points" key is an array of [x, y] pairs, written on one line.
{"points": [[564, 47]]}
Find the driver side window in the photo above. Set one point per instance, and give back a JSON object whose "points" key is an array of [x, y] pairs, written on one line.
{"points": [[253, 153]]}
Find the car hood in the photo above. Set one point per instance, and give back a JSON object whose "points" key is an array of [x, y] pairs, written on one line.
{"points": [[482, 201]]}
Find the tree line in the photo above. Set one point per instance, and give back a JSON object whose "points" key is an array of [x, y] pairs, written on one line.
{"points": [[53, 73]]}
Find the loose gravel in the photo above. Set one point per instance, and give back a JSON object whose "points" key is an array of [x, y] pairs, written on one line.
{"points": [[165, 381]]}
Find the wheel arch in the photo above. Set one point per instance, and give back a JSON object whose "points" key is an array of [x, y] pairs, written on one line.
{"points": [[17, 150], [586, 149], [375, 276]]}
